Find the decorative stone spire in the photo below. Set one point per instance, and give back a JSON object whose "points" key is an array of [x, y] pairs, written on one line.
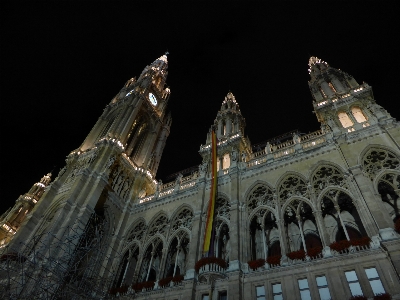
{"points": [[327, 82], [229, 119]]}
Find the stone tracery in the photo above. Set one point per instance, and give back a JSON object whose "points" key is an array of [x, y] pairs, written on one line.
{"points": [[159, 225], [292, 186], [377, 159], [183, 219], [261, 195], [327, 176], [222, 208], [137, 233]]}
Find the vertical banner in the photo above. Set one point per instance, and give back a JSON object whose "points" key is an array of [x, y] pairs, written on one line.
{"points": [[208, 245]]}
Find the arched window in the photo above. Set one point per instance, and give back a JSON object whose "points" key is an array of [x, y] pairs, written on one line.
{"points": [[106, 128], [137, 136], [127, 268], [325, 176], [292, 186], [261, 195], [377, 159], [151, 264], [348, 215], [358, 114], [226, 161], [175, 263], [223, 128], [141, 138], [345, 120]]}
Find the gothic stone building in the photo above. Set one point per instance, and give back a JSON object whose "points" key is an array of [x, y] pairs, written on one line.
{"points": [[305, 217]]}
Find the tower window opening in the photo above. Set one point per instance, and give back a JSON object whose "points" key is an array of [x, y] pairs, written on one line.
{"points": [[106, 128], [358, 114], [223, 128], [323, 93], [226, 161], [345, 120], [332, 87]]}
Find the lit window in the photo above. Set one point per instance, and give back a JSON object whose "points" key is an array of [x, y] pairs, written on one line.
{"points": [[277, 291], [260, 292], [205, 297], [304, 289], [354, 285], [345, 120], [375, 281], [226, 161], [358, 114], [222, 295], [323, 289], [323, 93]]}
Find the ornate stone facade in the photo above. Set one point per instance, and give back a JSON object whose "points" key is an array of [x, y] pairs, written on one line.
{"points": [[308, 216]]}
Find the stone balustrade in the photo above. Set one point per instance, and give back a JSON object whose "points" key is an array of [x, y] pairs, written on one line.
{"points": [[308, 141], [169, 188]]}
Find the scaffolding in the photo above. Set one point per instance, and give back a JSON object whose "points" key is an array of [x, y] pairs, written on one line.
{"points": [[74, 262]]}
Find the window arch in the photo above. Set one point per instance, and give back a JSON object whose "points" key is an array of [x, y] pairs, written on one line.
{"points": [[264, 235], [137, 233], [137, 135], [178, 250], [261, 195], [127, 267], [159, 226], [345, 120], [301, 226], [151, 263], [106, 128], [327, 175], [347, 215], [293, 185], [358, 114], [377, 159], [182, 220]]}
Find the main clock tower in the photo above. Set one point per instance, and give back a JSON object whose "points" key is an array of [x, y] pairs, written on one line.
{"points": [[116, 163]]}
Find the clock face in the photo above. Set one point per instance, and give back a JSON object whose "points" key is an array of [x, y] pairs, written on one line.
{"points": [[130, 92], [153, 99]]}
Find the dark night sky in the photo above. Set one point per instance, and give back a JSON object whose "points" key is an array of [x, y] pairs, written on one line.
{"points": [[62, 63]]}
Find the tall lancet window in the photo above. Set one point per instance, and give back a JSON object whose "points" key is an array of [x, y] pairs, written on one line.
{"points": [[141, 137], [358, 114], [345, 120], [226, 161], [223, 128], [106, 128]]}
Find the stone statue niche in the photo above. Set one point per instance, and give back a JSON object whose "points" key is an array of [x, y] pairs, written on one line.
{"points": [[223, 244]]}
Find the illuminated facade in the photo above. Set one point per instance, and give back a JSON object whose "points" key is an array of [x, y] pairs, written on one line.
{"points": [[306, 216]]}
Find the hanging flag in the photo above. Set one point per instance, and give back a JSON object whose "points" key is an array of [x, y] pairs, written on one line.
{"points": [[208, 245]]}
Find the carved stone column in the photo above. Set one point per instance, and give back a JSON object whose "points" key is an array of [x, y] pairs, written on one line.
{"points": [[194, 246], [341, 222], [282, 238], [321, 228], [162, 262]]}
